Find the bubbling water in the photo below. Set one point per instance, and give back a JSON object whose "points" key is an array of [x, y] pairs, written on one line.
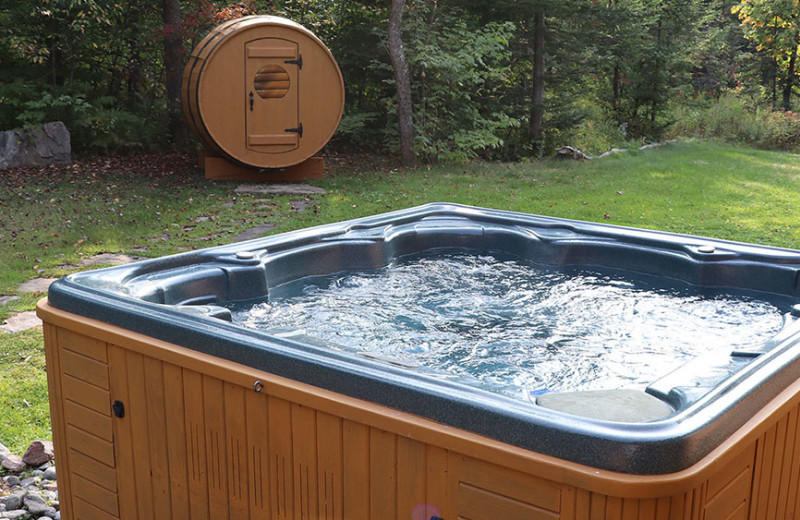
{"points": [[516, 328]]}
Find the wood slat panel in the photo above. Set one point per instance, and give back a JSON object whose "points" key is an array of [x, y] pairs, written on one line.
{"points": [[88, 420], [280, 454], [479, 504], [271, 52], [731, 497], [81, 344], [355, 474], [258, 453], [95, 495], [216, 449], [382, 474], [176, 441], [123, 436], [329, 466], [137, 415], [86, 511], [93, 470], [157, 436], [272, 139], [85, 368], [304, 457], [85, 394], [786, 506], [411, 470], [236, 428], [525, 488], [90, 445], [196, 444], [766, 445], [436, 477]]}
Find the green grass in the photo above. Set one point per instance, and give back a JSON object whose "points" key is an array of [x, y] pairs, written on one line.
{"points": [[58, 215]]}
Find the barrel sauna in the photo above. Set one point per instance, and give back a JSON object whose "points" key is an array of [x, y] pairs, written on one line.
{"points": [[262, 92]]}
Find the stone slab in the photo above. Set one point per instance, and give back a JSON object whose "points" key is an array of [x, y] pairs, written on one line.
{"points": [[254, 232], [22, 321], [109, 259], [280, 189], [36, 285], [7, 299]]}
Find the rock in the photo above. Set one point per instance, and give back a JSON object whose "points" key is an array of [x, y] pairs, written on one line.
{"points": [[11, 502], [36, 285], [4, 452], [17, 514], [35, 504], [50, 473], [280, 189], [569, 152], [30, 481], [12, 480], [21, 321], [253, 232], [4, 300], [39, 146], [38, 453], [50, 512], [13, 463]]}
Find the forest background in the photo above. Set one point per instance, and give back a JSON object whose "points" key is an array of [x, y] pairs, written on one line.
{"points": [[504, 80]]}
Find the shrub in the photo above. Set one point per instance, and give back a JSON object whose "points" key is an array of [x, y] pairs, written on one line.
{"points": [[737, 119]]}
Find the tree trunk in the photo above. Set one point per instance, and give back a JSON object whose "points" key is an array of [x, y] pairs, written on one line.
{"points": [[173, 65], [790, 80], [536, 130], [405, 109]]}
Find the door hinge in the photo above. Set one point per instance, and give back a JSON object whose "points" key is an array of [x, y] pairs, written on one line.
{"points": [[298, 62], [119, 409], [298, 130]]}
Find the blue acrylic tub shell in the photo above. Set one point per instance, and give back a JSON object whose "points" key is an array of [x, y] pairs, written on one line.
{"points": [[175, 299]]}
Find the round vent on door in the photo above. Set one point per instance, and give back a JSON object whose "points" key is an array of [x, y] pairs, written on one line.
{"points": [[271, 81]]}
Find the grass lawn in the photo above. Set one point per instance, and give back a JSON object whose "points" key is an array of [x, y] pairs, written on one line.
{"points": [[53, 217]]}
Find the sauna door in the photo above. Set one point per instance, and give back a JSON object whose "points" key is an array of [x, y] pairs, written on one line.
{"points": [[272, 73]]}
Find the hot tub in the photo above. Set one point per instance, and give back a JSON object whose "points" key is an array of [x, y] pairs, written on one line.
{"points": [[165, 405]]}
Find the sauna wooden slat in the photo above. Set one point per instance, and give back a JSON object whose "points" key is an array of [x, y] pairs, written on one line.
{"points": [[84, 368], [272, 52], [275, 139]]}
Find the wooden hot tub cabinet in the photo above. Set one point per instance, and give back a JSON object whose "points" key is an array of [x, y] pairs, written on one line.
{"points": [[145, 429]]}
